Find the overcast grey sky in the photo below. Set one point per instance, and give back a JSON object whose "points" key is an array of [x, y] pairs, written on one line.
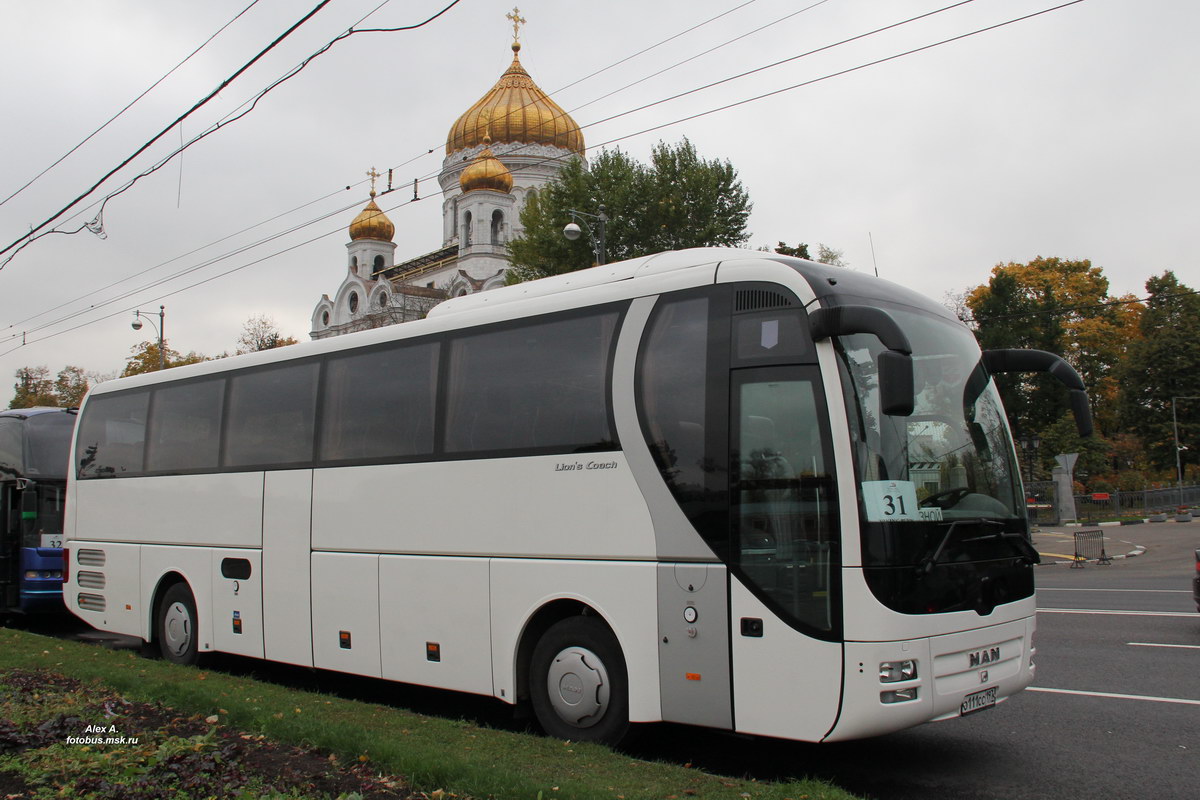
{"points": [[1071, 134]]}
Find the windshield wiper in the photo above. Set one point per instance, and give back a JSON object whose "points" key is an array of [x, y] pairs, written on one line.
{"points": [[927, 564], [1018, 541]]}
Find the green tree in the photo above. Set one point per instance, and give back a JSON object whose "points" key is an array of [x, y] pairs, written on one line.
{"points": [[1164, 363], [831, 256], [144, 358], [799, 251], [260, 333], [1062, 306], [33, 388], [71, 384], [678, 200]]}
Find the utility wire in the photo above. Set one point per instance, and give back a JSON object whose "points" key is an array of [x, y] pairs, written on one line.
{"points": [[165, 130], [653, 128], [24, 241], [230, 117], [131, 103]]}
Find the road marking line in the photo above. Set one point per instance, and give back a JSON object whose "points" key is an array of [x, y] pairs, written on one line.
{"points": [[1114, 612], [1153, 644], [1058, 555], [1148, 698], [1063, 589]]}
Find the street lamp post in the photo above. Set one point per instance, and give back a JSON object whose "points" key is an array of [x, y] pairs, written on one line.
{"points": [[1029, 445], [573, 229], [138, 316], [1179, 448]]}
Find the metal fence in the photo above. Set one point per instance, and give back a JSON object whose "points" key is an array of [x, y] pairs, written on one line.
{"points": [[1089, 546], [1041, 503], [1117, 506]]}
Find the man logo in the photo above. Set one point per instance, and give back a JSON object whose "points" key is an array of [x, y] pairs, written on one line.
{"points": [[983, 676], [981, 657]]}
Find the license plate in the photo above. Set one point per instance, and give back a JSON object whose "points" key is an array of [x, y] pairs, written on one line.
{"points": [[978, 701]]}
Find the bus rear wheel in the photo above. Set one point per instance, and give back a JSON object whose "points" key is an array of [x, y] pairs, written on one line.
{"points": [[578, 683], [176, 626]]}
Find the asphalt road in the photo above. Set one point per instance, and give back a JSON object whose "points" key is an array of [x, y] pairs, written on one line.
{"points": [[1114, 711]]}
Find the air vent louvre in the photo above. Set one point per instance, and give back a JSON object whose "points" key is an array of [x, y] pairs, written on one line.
{"points": [[759, 300], [90, 558], [90, 580], [91, 602]]}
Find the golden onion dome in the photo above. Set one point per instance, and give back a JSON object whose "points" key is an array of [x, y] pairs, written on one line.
{"points": [[515, 110], [486, 172], [372, 223]]}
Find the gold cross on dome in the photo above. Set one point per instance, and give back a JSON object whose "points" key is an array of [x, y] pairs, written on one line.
{"points": [[517, 21], [372, 174]]}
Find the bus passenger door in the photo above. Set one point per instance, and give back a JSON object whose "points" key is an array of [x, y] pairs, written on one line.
{"points": [[784, 596]]}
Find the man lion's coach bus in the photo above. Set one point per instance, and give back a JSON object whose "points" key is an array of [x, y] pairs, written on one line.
{"points": [[35, 447], [716, 487]]}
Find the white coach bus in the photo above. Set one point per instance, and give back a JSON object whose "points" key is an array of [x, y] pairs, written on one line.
{"points": [[717, 487]]}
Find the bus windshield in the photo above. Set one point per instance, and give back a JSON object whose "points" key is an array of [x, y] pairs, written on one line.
{"points": [[951, 461]]}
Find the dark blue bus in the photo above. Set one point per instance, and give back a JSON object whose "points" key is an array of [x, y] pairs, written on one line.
{"points": [[35, 445]]}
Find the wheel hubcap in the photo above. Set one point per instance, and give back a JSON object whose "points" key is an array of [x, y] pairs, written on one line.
{"points": [[177, 629], [577, 684]]}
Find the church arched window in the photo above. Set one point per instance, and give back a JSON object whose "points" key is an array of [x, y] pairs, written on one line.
{"points": [[353, 302], [378, 263], [354, 261], [497, 225], [466, 234]]}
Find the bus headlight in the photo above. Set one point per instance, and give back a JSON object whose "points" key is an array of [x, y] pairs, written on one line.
{"points": [[898, 695], [893, 671]]}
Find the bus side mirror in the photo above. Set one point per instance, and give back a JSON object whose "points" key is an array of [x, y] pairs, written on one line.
{"points": [[896, 390], [1041, 361]]}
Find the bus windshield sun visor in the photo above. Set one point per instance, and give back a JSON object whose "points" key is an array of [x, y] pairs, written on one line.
{"points": [[1041, 361], [896, 390]]}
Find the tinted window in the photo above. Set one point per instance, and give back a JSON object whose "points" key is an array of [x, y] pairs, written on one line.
{"points": [[185, 426], [272, 415], [380, 404], [12, 461], [786, 514], [542, 386], [112, 435], [49, 444], [672, 387]]}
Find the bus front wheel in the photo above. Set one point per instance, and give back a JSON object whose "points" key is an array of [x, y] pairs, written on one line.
{"points": [[578, 682], [176, 626]]}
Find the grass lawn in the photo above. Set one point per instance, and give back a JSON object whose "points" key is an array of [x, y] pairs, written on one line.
{"points": [[51, 690]]}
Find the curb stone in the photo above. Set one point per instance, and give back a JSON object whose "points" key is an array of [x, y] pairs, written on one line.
{"points": [[1134, 553]]}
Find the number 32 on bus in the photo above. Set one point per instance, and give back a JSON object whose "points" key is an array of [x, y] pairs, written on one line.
{"points": [[714, 487]]}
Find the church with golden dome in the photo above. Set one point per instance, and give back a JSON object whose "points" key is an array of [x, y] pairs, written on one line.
{"points": [[512, 141]]}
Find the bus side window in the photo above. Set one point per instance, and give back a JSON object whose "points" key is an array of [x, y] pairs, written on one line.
{"points": [[11, 458], [672, 377], [185, 426], [379, 404], [540, 386], [272, 416], [112, 435]]}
